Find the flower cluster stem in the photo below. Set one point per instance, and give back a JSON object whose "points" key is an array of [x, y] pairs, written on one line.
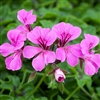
{"points": [[72, 93], [37, 86]]}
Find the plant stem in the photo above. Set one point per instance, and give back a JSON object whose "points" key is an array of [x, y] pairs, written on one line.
{"points": [[42, 79], [72, 93], [23, 79], [88, 94]]}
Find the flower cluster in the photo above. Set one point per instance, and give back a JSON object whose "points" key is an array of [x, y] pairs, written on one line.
{"points": [[49, 46]]}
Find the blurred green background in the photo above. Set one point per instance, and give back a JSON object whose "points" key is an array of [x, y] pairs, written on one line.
{"points": [[77, 86]]}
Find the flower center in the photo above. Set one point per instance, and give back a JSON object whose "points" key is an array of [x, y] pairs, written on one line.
{"points": [[64, 40], [60, 79], [42, 43]]}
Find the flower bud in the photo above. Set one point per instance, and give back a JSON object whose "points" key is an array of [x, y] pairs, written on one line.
{"points": [[59, 75]]}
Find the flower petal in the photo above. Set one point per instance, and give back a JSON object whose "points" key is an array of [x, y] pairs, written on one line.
{"points": [[26, 17], [71, 59], [94, 40], [34, 35], [49, 57], [38, 62], [6, 49], [96, 59], [89, 68], [75, 49], [60, 54], [13, 62], [30, 51]]}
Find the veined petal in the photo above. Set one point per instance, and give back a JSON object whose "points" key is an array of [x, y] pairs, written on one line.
{"points": [[38, 63], [34, 35], [30, 51], [92, 39], [89, 68], [71, 59], [59, 29], [60, 54], [6, 49], [49, 57], [96, 59], [26, 17], [74, 31], [13, 36]]}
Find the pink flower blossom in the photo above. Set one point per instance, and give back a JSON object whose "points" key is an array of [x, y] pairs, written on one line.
{"points": [[13, 62], [41, 53], [91, 60], [88, 43], [66, 33], [25, 17], [23, 30], [59, 75]]}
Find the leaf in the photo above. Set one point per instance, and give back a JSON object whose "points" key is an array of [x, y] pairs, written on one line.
{"points": [[6, 97], [47, 23], [32, 76], [83, 79], [61, 87]]}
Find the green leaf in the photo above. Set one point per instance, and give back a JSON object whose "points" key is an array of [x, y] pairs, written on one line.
{"points": [[61, 87], [47, 23], [6, 97], [82, 79]]}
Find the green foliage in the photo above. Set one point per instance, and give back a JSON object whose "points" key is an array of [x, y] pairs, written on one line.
{"points": [[15, 85]]}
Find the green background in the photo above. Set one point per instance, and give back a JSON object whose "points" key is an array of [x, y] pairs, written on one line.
{"points": [[77, 86]]}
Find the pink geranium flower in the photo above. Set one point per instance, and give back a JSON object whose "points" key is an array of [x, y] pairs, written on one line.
{"points": [[66, 33], [59, 75], [91, 60], [13, 61], [25, 17], [88, 43], [41, 53]]}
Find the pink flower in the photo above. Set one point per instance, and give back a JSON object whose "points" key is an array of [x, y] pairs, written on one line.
{"points": [[23, 30], [66, 33], [25, 17], [41, 53], [91, 60], [88, 43], [59, 75], [13, 62], [92, 64]]}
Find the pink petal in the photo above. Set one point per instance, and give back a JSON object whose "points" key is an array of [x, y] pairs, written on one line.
{"points": [[30, 51], [96, 59], [75, 49], [26, 17], [89, 68], [34, 35], [6, 49], [13, 62], [94, 40], [49, 57], [71, 59], [38, 62], [60, 54], [74, 31], [59, 29]]}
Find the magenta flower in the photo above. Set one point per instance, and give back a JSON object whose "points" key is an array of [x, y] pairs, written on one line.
{"points": [[13, 61], [59, 75], [66, 33], [25, 17], [41, 53], [91, 60], [88, 43]]}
